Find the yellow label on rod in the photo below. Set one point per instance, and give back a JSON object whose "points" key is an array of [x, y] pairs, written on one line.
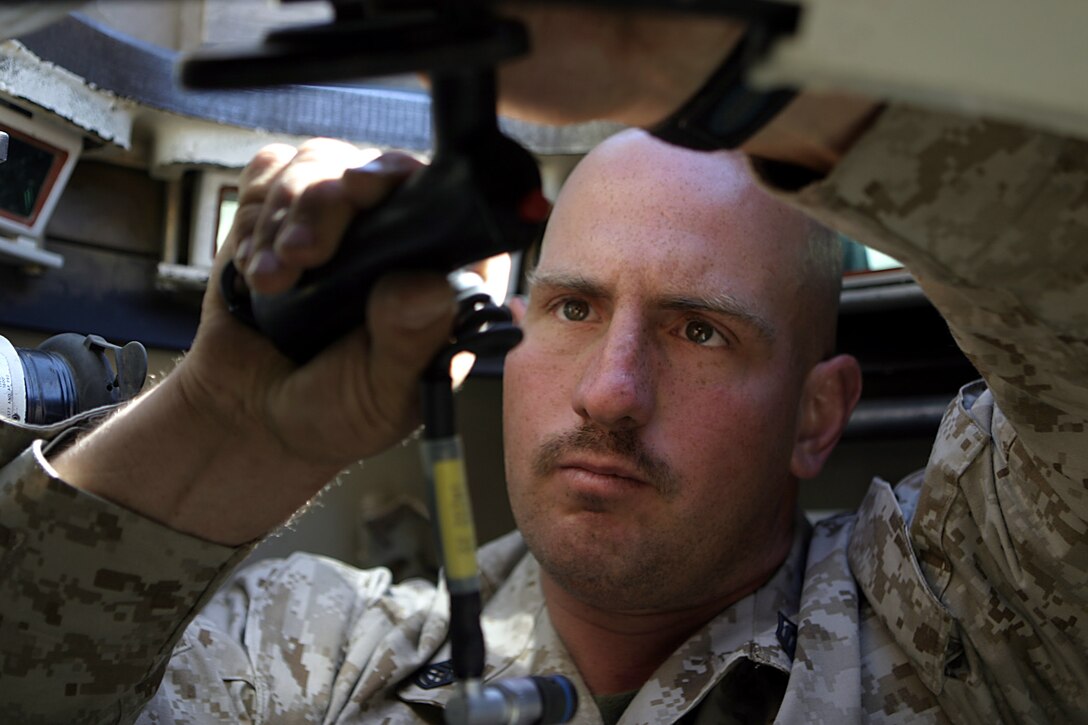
{"points": [[455, 519]]}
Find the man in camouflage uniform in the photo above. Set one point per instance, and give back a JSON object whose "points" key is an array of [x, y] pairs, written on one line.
{"points": [[954, 596]]}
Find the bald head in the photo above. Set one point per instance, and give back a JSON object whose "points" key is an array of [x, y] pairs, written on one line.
{"points": [[634, 184], [674, 383]]}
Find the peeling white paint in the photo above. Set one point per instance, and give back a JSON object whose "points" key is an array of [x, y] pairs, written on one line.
{"points": [[26, 77], [184, 142]]}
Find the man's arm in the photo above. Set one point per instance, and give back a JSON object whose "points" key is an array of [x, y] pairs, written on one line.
{"points": [[109, 548], [238, 437], [637, 68], [92, 597], [991, 220]]}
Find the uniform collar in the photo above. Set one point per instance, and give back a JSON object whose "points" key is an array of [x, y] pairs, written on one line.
{"points": [[521, 641], [759, 629]]}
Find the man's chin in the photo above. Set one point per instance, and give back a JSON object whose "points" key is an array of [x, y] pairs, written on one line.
{"points": [[595, 564], [608, 590]]}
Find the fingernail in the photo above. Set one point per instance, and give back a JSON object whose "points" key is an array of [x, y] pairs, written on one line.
{"points": [[242, 252], [389, 164], [374, 166], [265, 262]]}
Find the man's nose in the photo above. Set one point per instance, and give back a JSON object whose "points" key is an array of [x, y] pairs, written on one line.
{"points": [[616, 389]]}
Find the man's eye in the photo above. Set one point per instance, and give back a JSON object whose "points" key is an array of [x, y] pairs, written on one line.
{"points": [[701, 333], [574, 310]]}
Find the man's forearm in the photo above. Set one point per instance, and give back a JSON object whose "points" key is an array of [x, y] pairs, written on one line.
{"points": [[982, 214], [166, 459]]}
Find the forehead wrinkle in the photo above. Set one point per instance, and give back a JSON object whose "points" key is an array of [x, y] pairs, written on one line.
{"points": [[721, 304]]}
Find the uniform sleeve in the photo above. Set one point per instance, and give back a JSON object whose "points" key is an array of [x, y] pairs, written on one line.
{"points": [[93, 597], [992, 220], [290, 640]]}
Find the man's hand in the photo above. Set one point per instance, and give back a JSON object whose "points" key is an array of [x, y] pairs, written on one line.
{"points": [[638, 67], [354, 399], [618, 65], [239, 437]]}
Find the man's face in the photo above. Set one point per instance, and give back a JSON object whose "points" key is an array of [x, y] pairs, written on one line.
{"points": [[651, 411]]}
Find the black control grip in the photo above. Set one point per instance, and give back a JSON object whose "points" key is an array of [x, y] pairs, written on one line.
{"points": [[460, 209]]}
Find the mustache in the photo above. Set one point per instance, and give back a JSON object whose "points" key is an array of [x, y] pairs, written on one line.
{"points": [[622, 443]]}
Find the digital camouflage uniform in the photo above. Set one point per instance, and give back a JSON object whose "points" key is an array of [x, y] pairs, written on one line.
{"points": [[960, 597]]}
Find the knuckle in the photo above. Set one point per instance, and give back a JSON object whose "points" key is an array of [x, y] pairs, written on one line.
{"points": [[316, 143], [273, 156], [324, 148]]}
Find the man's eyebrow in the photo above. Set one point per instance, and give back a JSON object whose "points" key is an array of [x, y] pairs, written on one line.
{"points": [[721, 304], [573, 282]]}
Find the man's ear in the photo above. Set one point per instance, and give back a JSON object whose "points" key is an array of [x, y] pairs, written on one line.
{"points": [[830, 392], [518, 305]]}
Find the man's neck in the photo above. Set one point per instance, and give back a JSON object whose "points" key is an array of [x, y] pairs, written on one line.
{"points": [[616, 651]]}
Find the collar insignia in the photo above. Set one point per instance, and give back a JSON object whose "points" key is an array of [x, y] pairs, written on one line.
{"points": [[436, 675], [787, 634]]}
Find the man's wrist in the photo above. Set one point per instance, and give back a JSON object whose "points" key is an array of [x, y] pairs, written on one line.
{"points": [[169, 461]]}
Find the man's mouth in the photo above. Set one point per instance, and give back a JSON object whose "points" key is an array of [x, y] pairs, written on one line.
{"points": [[598, 468], [616, 455]]}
